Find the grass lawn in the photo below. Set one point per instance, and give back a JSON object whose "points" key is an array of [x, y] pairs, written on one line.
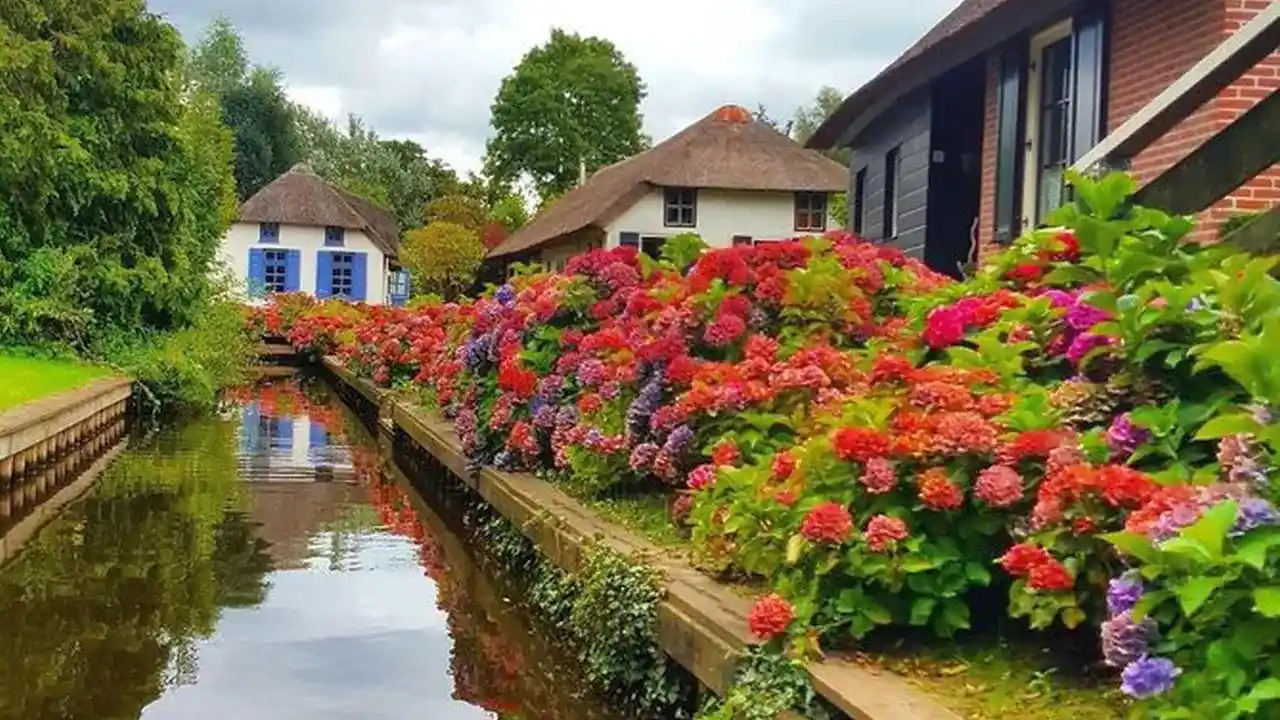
{"points": [[23, 379]]}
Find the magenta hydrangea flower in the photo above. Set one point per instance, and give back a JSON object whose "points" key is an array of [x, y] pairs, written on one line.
{"points": [[1123, 437], [1124, 640]]}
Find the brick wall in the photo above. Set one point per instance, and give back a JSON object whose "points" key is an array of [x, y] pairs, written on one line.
{"points": [[1263, 191], [1152, 43]]}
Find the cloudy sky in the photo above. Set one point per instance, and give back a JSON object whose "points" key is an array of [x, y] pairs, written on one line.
{"points": [[428, 69]]}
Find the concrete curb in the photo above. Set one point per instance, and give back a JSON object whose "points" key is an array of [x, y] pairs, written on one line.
{"points": [[36, 431], [702, 624]]}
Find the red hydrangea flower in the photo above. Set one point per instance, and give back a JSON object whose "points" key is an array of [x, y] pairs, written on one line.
{"points": [[944, 327], [1024, 273], [883, 530], [938, 492], [827, 523], [858, 444], [724, 330], [999, 486], [1050, 576], [770, 616], [725, 453], [783, 464], [1020, 559], [878, 476]]}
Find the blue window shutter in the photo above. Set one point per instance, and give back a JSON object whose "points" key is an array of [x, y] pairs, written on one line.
{"points": [[257, 279], [292, 270], [359, 276], [324, 274], [399, 292]]}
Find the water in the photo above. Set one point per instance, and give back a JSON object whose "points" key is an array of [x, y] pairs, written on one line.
{"points": [[262, 565]]}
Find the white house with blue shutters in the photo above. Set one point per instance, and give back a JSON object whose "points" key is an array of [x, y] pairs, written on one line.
{"points": [[302, 234]]}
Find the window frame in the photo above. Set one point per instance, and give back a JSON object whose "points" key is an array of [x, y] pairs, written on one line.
{"points": [[808, 204], [335, 236], [1032, 109], [339, 261], [675, 199], [269, 233], [892, 187], [275, 266]]}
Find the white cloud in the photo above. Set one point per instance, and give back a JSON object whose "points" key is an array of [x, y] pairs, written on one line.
{"points": [[428, 69]]}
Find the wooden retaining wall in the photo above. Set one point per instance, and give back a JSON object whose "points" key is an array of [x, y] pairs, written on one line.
{"points": [[702, 624], [39, 431]]}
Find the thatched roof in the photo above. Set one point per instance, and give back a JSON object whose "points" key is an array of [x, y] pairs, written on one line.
{"points": [[728, 150], [301, 197]]}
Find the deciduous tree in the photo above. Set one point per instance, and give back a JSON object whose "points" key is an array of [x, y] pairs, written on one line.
{"points": [[443, 258], [267, 141], [570, 101], [218, 63]]}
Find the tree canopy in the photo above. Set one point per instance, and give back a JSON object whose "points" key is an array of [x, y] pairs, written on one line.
{"points": [[218, 63], [443, 258], [267, 140], [113, 181], [574, 100]]}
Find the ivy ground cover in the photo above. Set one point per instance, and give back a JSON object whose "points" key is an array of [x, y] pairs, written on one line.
{"points": [[1076, 439]]}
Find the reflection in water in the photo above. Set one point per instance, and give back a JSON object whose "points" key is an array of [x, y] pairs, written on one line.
{"points": [[259, 565]]}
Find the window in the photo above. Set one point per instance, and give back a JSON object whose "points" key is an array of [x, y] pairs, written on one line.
{"points": [[269, 233], [739, 240], [680, 207], [859, 199], [275, 270], [892, 166], [811, 212], [651, 245], [343, 283], [335, 237], [1063, 109]]}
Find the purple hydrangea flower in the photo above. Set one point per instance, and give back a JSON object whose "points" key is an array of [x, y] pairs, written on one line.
{"points": [[1147, 677], [544, 416], [1262, 414], [1242, 461], [643, 455], [678, 440], [1254, 513], [1170, 522], [1125, 641], [643, 407], [1123, 593], [506, 295], [591, 372], [1123, 437]]}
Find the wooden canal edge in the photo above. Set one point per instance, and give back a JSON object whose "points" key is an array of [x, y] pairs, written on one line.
{"points": [[702, 624], [35, 432]]}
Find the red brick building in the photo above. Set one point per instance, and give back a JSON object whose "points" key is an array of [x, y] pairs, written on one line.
{"points": [[964, 138]]}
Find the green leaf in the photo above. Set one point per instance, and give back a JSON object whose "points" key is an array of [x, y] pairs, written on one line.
{"points": [[795, 546], [1253, 550], [1193, 594], [1267, 689], [1132, 544], [876, 612], [956, 613], [1266, 601], [918, 563], [1225, 425], [922, 610], [1186, 547], [1212, 528]]}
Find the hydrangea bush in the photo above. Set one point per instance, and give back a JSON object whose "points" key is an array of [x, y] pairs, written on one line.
{"points": [[1087, 424]]}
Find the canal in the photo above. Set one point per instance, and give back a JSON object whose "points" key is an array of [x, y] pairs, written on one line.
{"points": [[269, 562]]}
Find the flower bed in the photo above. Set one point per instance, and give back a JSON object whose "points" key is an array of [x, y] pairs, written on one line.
{"points": [[1084, 427]]}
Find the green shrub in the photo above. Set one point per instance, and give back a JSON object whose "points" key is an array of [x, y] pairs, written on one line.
{"points": [[188, 368]]}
